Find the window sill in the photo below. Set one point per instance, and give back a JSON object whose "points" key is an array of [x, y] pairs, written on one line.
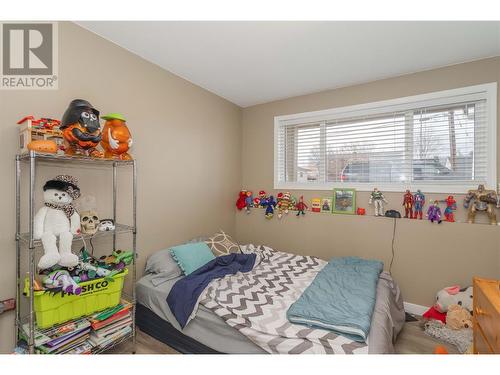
{"points": [[427, 188]]}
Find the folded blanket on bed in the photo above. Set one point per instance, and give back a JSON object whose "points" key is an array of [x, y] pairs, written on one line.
{"points": [[341, 298], [184, 295]]}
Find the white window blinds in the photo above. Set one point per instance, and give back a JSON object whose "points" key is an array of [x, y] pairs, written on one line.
{"points": [[442, 143]]}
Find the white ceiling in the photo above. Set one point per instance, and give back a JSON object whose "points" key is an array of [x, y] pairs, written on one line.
{"points": [[256, 62]]}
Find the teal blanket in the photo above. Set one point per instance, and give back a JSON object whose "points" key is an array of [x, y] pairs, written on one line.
{"points": [[341, 298]]}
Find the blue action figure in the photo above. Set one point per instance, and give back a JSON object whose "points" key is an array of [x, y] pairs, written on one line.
{"points": [[269, 204], [418, 205]]}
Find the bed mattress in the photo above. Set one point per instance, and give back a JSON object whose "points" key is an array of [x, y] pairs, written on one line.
{"points": [[210, 330]]}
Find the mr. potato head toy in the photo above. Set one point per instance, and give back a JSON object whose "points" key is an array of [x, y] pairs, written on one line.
{"points": [[116, 137], [81, 129]]}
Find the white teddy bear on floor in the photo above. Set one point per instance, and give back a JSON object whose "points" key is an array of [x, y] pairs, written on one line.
{"points": [[58, 219]]}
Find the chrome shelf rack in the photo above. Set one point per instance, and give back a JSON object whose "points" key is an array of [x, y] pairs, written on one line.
{"points": [[34, 160]]}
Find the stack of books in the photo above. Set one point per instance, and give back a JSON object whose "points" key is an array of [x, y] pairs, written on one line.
{"points": [[67, 338], [110, 325]]}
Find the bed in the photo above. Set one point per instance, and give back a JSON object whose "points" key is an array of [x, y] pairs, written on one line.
{"points": [[209, 331]]}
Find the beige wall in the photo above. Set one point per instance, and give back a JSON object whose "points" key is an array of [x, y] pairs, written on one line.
{"points": [[427, 257], [187, 143], [195, 150]]}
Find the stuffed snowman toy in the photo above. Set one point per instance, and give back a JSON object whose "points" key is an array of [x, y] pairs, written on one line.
{"points": [[58, 219]]}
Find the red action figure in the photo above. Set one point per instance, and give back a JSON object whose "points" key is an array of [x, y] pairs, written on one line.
{"points": [[408, 204], [451, 205], [301, 206]]}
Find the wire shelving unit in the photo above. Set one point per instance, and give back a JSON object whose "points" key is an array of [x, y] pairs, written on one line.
{"points": [[33, 161]]}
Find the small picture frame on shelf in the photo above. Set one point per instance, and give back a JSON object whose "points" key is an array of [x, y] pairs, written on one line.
{"points": [[326, 205], [344, 201]]}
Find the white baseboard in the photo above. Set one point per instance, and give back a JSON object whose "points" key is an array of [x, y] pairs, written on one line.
{"points": [[414, 309]]}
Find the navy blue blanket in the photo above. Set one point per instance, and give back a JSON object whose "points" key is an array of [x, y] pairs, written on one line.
{"points": [[184, 294]]}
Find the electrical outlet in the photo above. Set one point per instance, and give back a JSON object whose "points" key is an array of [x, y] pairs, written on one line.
{"points": [[8, 304]]}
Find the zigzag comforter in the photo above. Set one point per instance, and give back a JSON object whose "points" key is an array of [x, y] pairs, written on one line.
{"points": [[256, 302]]}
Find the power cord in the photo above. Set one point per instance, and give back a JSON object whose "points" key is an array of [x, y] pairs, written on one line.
{"points": [[392, 245]]}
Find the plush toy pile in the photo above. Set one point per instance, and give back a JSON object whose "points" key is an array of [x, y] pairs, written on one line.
{"points": [[60, 279], [450, 319]]}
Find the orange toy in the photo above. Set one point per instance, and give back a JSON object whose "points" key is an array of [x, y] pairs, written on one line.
{"points": [[81, 129], [116, 138], [440, 349]]}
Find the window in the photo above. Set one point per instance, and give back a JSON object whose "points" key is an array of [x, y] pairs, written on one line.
{"points": [[440, 142]]}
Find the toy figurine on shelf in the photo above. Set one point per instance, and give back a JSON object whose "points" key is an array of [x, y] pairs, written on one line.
{"points": [[481, 200], [262, 198], [408, 204], [434, 212], [418, 204], [58, 221], [116, 138], [451, 206], [248, 201], [256, 202], [81, 129], [284, 204], [270, 204], [301, 206], [241, 202], [378, 200]]}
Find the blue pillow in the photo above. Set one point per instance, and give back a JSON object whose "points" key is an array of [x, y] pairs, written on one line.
{"points": [[191, 256]]}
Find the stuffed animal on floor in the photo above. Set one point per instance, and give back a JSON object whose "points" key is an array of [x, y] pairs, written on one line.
{"points": [[454, 295], [58, 219], [458, 317]]}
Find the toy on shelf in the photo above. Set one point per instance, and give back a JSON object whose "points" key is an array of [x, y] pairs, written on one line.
{"points": [[117, 261], [408, 204], [116, 137], [58, 219], [454, 295], [106, 225], [248, 201], [262, 198], [434, 212], [256, 202], [42, 135], [481, 200], [284, 204], [451, 206], [418, 205], [89, 221], [316, 205], [301, 206], [60, 279], [270, 204], [360, 211], [81, 129], [241, 202], [378, 200]]}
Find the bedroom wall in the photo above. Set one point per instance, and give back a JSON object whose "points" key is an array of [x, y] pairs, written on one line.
{"points": [[427, 257], [187, 143]]}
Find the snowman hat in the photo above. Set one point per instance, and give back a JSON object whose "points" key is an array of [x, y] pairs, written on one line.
{"points": [[66, 183]]}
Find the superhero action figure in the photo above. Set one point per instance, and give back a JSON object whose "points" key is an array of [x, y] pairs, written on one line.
{"points": [[301, 206], [451, 205], [434, 212], [378, 200], [408, 204], [418, 204]]}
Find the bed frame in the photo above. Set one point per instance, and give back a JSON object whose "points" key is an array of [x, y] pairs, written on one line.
{"points": [[156, 327]]}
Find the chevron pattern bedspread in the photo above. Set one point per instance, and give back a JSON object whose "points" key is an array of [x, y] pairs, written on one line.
{"points": [[255, 303]]}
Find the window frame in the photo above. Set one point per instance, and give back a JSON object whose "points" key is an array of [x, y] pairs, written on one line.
{"points": [[486, 92]]}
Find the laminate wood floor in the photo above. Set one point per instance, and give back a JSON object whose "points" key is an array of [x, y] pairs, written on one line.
{"points": [[411, 340]]}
